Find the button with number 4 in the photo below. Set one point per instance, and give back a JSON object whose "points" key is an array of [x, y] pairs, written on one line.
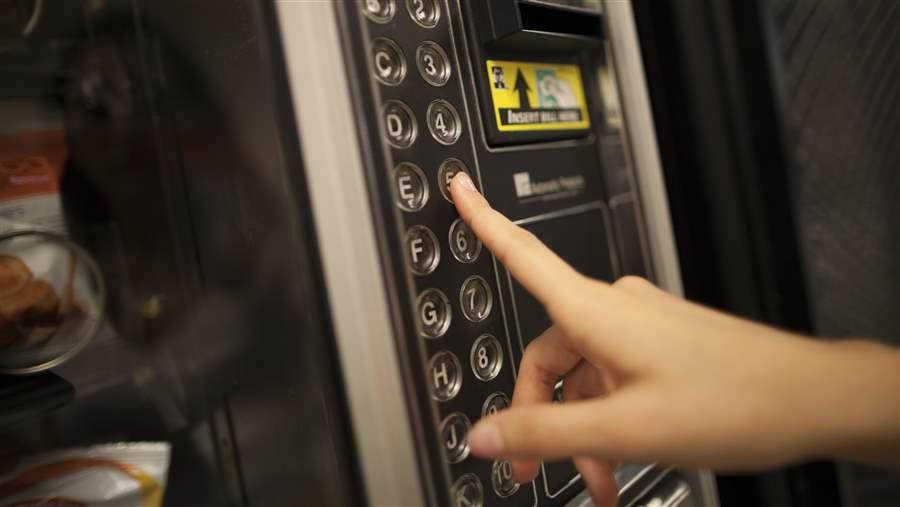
{"points": [[434, 66], [426, 13], [467, 492], [476, 299], [486, 358], [444, 122], [446, 172], [463, 243], [495, 403]]}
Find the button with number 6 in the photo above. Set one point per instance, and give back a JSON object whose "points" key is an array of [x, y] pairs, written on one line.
{"points": [[486, 358], [463, 243]]}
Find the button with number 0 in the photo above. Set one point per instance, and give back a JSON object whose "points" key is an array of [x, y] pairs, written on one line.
{"points": [[468, 492], [502, 479], [486, 358], [443, 122], [448, 169], [426, 13], [495, 403], [433, 64], [476, 299], [463, 243], [379, 11]]}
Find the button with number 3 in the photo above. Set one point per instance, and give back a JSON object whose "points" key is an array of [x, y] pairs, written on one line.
{"points": [[434, 66], [486, 358], [426, 13], [463, 243]]}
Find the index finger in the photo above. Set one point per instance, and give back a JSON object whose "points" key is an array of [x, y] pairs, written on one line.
{"points": [[534, 265]]}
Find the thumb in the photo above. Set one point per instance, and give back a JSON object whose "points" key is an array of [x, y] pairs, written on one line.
{"points": [[596, 427]]}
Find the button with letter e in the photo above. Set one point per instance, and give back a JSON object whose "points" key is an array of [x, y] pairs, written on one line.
{"points": [[411, 187], [445, 376]]}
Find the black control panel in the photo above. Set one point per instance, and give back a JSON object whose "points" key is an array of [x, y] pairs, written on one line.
{"points": [[524, 113]]}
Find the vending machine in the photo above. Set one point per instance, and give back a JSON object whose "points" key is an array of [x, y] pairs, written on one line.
{"points": [[231, 272]]}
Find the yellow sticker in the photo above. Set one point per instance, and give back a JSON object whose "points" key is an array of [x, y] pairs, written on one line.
{"points": [[530, 96]]}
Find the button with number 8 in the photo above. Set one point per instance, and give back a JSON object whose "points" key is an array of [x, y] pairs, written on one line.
{"points": [[433, 64], [463, 243], [486, 358]]}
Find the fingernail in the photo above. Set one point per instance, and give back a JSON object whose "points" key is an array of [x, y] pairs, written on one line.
{"points": [[465, 181], [485, 439]]}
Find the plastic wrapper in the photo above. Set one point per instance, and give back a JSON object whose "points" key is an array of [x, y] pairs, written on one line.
{"points": [[111, 475]]}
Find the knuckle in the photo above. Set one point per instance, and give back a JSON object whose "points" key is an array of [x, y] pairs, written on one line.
{"points": [[632, 283]]}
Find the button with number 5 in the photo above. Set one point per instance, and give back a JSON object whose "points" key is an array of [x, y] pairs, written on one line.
{"points": [[463, 243], [433, 64], [486, 358]]}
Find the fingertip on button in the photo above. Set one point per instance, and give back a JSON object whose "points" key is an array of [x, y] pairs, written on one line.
{"points": [[485, 439], [464, 182], [525, 471]]}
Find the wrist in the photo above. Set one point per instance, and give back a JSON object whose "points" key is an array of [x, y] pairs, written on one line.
{"points": [[856, 402]]}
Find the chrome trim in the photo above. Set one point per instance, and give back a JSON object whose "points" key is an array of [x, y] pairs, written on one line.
{"points": [[643, 149], [574, 210], [342, 214]]}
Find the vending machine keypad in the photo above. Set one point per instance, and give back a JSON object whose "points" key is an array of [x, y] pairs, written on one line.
{"points": [[461, 322]]}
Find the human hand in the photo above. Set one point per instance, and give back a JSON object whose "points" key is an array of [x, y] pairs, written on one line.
{"points": [[649, 377]]}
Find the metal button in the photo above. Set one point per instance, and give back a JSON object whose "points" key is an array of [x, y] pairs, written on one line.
{"points": [[426, 13], [389, 62], [502, 479], [434, 313], [486, 358], [399, 124], [446, 376], [494, 403], [463, 243], [558, 392], [467, 492], [433, 64], [448, 169], [476, 299], [443, 122], [422, 247], [454, 430], [411, 187], [379, 11]]}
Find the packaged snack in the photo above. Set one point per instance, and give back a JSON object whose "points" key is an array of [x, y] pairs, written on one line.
{"points": [[110, 475]]}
